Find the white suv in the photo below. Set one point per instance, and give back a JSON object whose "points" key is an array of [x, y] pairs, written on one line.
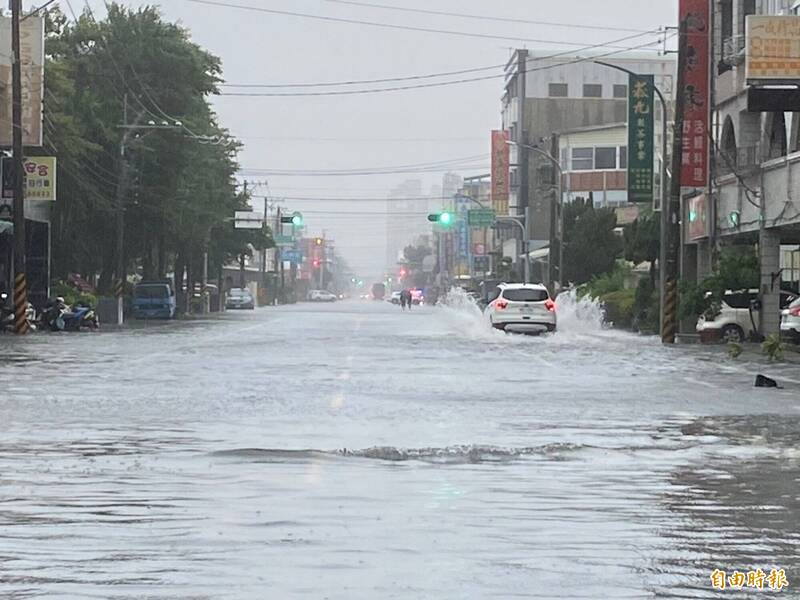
{"points": [[524, 307], [790, 321], [735, 322]]}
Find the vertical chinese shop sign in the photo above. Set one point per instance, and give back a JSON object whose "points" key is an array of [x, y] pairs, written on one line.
{"points": [[696, 91], [640, 138]]}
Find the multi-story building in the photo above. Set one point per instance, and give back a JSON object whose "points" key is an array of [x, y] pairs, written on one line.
{"points": [[755, 194], [544, 95], [594, 161], [404, 218]]}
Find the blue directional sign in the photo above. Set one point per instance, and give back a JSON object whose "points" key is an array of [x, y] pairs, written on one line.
{"points": [[292, 256]]}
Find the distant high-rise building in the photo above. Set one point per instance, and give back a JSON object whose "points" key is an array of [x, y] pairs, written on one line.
{"points": [[405, 218]]}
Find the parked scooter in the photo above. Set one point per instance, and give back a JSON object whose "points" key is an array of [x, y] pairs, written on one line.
{"points": [[59, 316], [7, 314]]}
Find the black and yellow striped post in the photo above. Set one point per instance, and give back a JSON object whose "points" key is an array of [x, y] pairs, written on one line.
{"points": [[119, 288], [669, 328], [21, 326]]}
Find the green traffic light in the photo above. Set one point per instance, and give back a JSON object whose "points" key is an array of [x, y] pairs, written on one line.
{"points": [[297, 221], [444, 219]]}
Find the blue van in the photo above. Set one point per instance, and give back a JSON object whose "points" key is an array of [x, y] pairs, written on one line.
{"points": [[154, 300]]}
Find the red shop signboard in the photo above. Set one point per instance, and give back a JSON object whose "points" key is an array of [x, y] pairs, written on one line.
{"points": [[697, 97]]}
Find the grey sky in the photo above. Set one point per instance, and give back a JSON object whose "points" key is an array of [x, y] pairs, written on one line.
{"points": [[376, 130]]}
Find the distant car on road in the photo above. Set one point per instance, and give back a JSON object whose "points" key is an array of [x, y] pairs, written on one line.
{"points": [[735, 322], [417, 297], [321, 296], [790, 321], [522, 307], [395, 298], [240, 298]]}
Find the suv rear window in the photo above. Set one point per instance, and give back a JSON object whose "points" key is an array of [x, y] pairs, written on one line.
{"points": [[739, 299], [526, 295], [786, 299]]}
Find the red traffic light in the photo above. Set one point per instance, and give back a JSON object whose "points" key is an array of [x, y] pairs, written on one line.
{"points": [[403, 272], [316, 263]]}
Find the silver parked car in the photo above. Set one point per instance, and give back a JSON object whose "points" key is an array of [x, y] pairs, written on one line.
{"points": [[240, 298]]}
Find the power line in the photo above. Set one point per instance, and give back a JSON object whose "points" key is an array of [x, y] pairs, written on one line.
{"points": [[481, 17], [262, 172], [438, 83], [385, 199], [438, 165], [362, 81], [386, 25], [364, 140]]}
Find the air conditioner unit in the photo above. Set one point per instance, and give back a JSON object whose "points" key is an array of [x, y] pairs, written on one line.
{"points": [[733, 50]]}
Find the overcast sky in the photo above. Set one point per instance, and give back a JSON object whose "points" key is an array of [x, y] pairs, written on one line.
{"points": [[384, 129]]}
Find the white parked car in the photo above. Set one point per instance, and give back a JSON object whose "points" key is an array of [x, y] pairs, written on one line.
{"points": [[394, 298], [321, 296], [735, 323], [790, 321], [523, 307]]}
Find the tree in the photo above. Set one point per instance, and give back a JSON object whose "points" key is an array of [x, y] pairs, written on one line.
{"points": [[134, 67], [642, 240], [590, 245]]}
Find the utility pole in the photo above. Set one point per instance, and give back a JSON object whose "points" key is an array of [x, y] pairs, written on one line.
{"points": [[122, 188], [129, 129], [669, 327], [20, 279], [322, 259]]}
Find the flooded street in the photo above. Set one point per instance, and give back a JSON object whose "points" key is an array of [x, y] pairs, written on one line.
{"points": [[354, 451]]}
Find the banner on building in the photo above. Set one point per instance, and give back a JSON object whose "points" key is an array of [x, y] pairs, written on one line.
{"points": [[32, 53], [696, 91], [500, 171], [773, 49], [462, 236], [641, 103], [40, 178]]}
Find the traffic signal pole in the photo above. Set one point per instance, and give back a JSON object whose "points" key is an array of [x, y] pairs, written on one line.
{"points": [[20, 279]]}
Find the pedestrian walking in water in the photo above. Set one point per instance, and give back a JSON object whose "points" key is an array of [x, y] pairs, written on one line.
{"points": [[405, 299]]}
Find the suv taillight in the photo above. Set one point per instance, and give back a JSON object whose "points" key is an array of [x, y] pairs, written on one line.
{"points": [[550, 305], [501, 304], [795, 312]]}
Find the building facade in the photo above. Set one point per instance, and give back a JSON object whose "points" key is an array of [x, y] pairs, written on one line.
{"points": [[545, 95], [755, 187]]}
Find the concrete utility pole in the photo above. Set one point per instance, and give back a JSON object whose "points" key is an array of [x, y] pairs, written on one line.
{"points": [[526, 230], [669, 327], [129, 129], [20, 278]]}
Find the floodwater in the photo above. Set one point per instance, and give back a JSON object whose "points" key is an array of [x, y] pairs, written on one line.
{"points": [[354, 451]]}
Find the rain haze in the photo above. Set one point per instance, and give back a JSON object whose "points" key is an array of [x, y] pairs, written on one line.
{"points": [[585, 388], [379, 130]]}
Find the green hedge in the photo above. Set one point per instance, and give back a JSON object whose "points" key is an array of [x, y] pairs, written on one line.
{"points": [[71, 295], [619, 307]]}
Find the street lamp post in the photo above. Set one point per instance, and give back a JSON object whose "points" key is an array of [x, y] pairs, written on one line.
{"points": [[560, 192], [662, 251]]}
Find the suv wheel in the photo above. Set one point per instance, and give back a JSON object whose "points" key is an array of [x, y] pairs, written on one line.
{"points": [[732, 333]]}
